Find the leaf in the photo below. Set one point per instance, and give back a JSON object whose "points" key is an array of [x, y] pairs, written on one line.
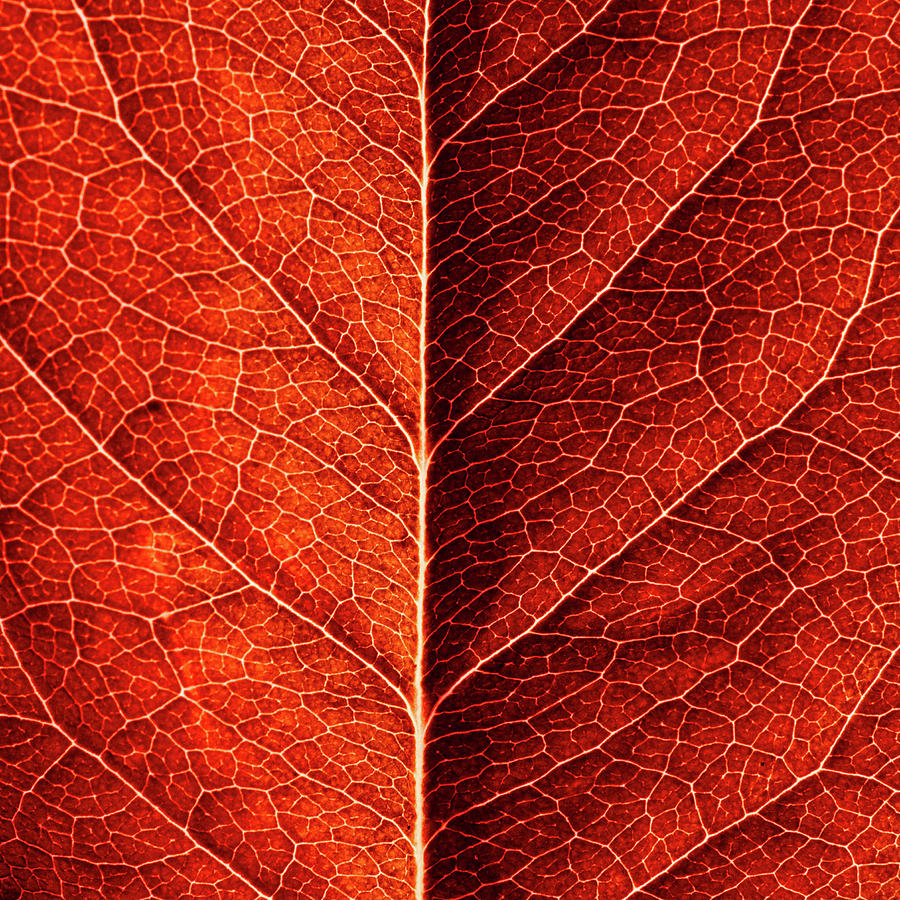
{"points": [[567, 572]]}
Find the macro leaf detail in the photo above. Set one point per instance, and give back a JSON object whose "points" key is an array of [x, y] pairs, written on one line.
{"points": [[450, 452]]}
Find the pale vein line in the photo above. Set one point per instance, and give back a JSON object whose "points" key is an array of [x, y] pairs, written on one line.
{"points": [[867, 464], [590, 573], [106, 767], [187, 694], [422, 460], [99, 448], [189, 200], [637, 251], [875, 778], [384, 33], [275, 156], [587, 464], [334, 467]]}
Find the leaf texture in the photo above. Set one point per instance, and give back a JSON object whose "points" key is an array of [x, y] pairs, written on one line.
{"points": [[210, 319], [450, 452], [665, 544]]}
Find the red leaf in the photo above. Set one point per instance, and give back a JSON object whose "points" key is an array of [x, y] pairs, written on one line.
{"points": [[567, 572]]}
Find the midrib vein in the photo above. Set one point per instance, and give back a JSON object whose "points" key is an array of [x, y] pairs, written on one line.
{"points": [[422, 459]]}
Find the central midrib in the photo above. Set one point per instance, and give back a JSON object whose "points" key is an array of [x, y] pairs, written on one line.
{"points": [[422, 459]]}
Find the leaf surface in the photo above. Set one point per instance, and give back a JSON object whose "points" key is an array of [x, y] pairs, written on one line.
{"points": [[666, 494], [210, 327], [549, 551]]}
